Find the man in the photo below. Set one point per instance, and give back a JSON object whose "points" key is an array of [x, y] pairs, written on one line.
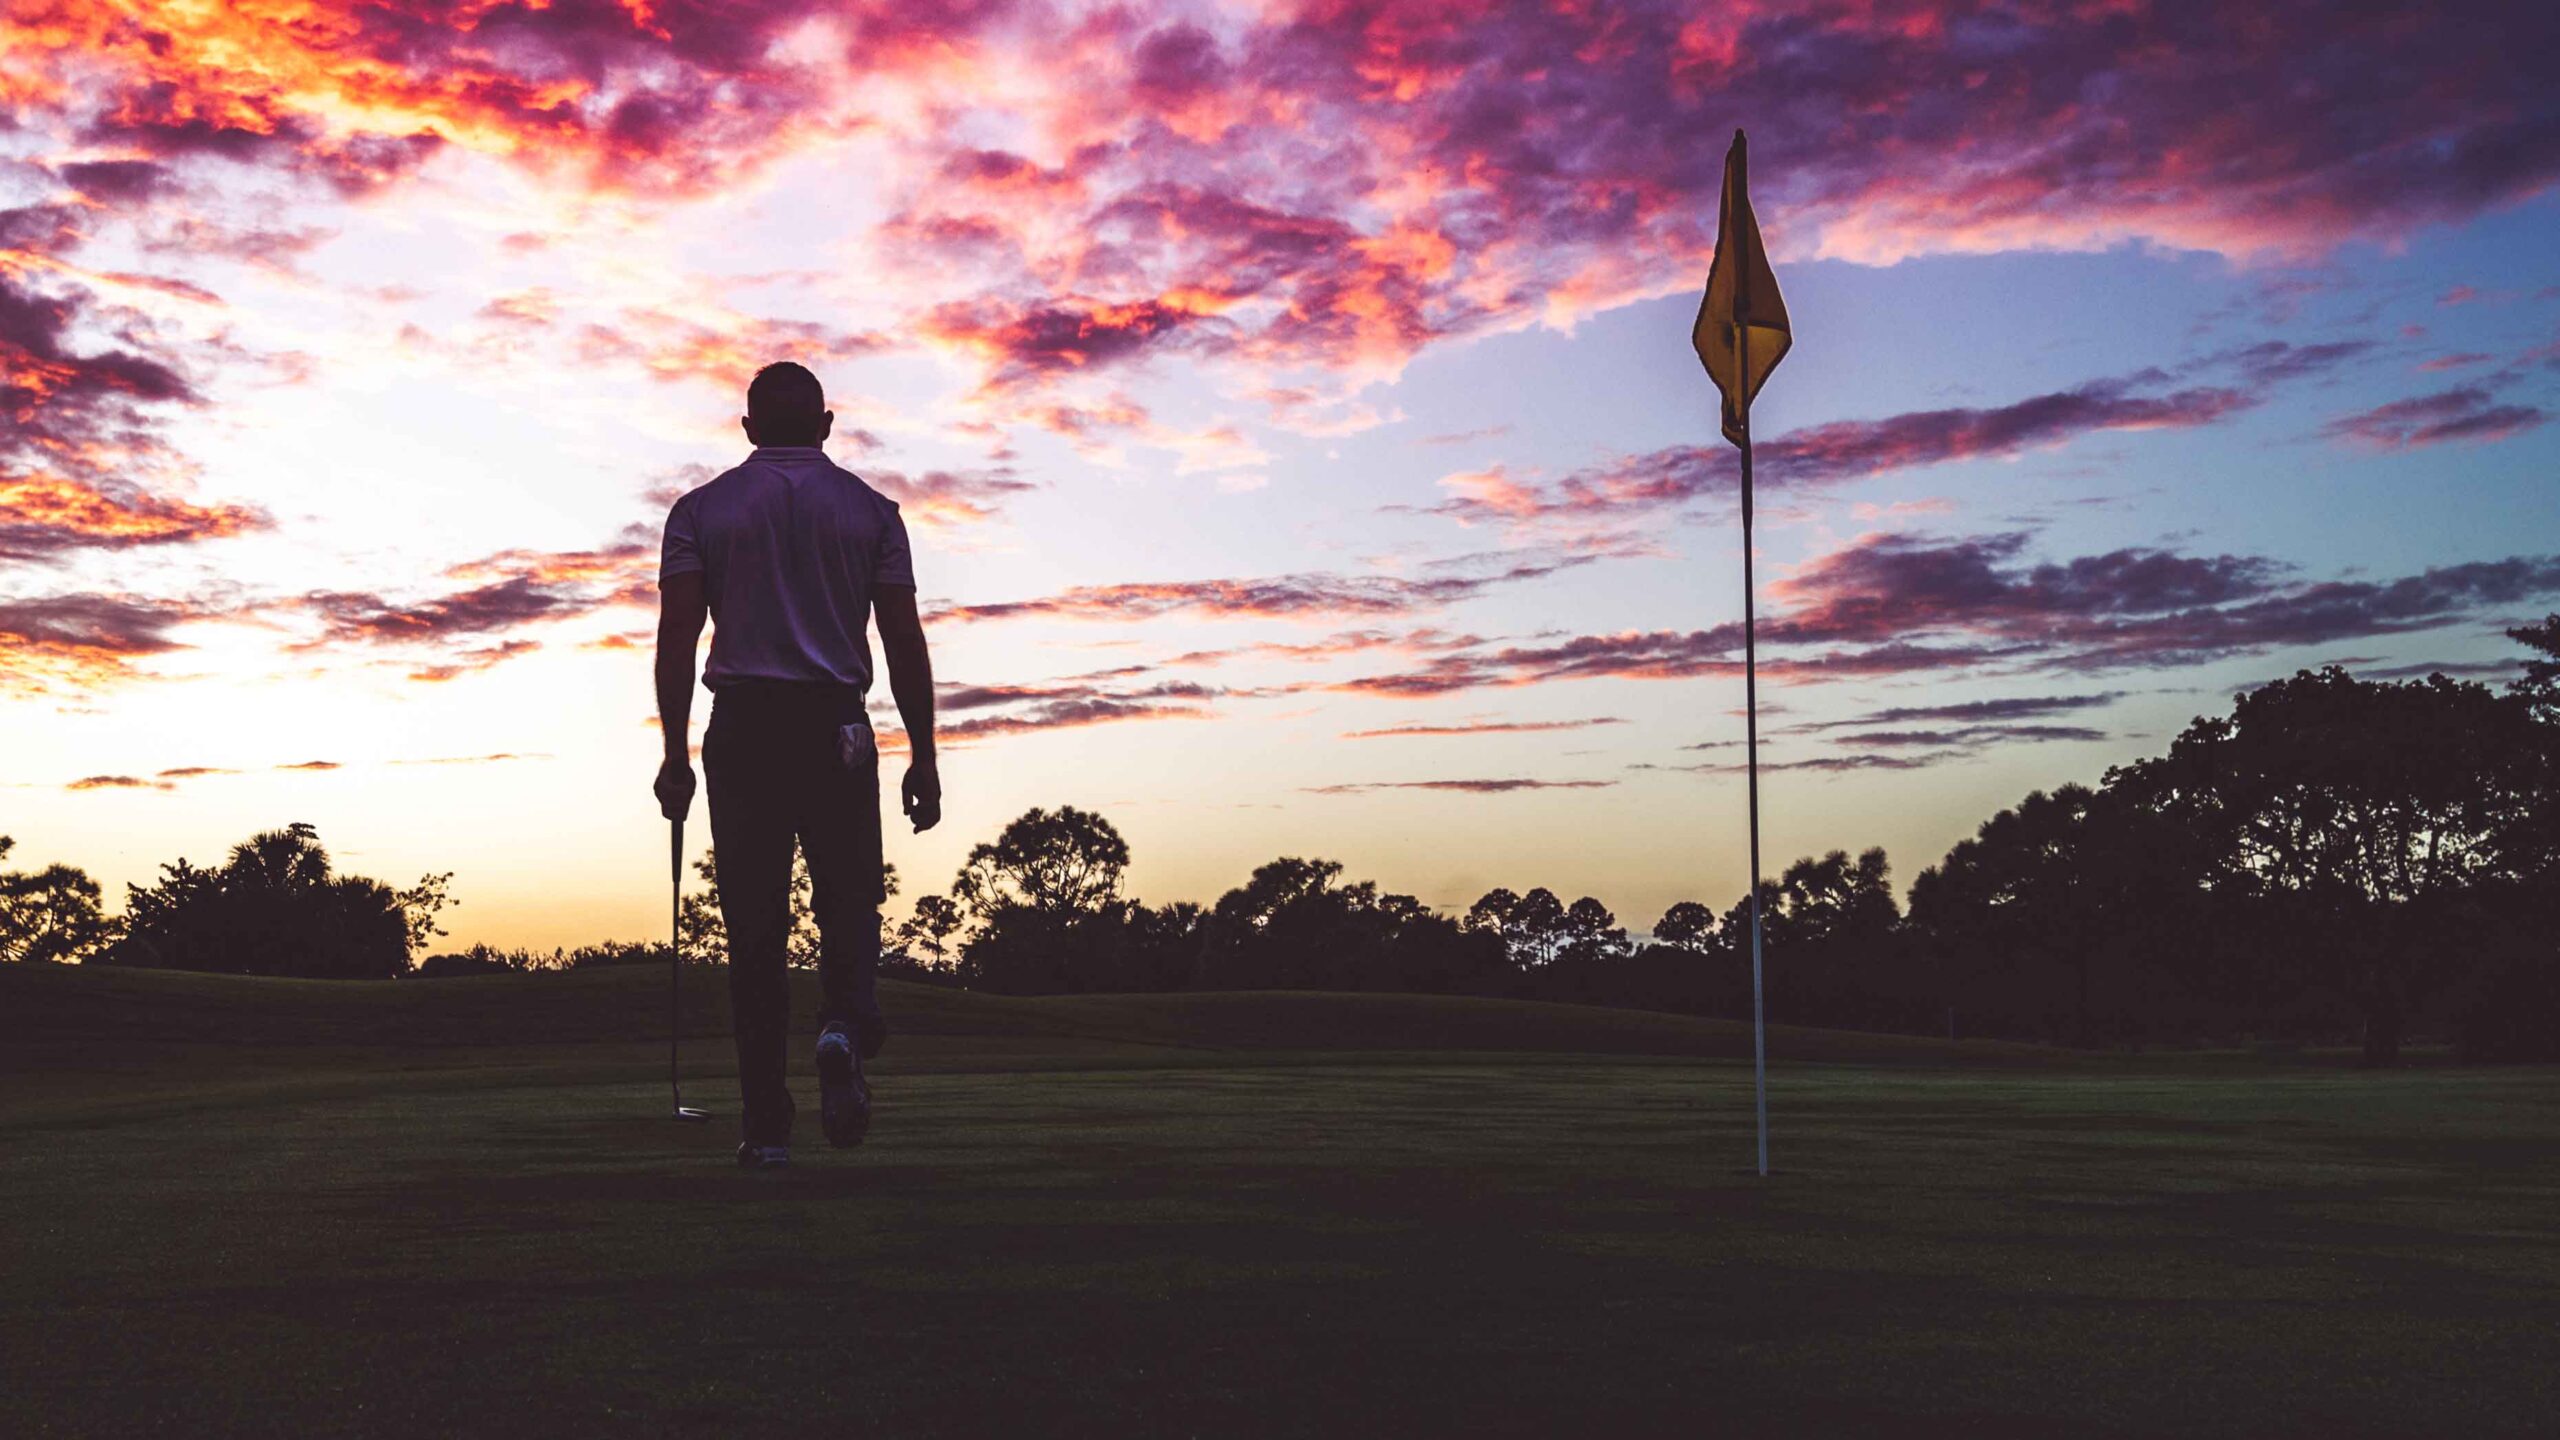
{"points": [[790, 555]]}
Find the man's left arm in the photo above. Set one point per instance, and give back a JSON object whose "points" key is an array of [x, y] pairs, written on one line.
{"points": [[893, 608], [682, 609]]}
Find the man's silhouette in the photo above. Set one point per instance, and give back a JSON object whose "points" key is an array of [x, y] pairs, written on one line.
{"points": [[790, 554]]}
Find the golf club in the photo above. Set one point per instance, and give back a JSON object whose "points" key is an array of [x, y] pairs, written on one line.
{"points": [[675, 971]]}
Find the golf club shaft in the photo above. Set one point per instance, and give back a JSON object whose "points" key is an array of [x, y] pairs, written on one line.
{"points": [[675, 953]]}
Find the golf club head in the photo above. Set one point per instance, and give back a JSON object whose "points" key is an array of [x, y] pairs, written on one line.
{"points": [[691, 1116]]}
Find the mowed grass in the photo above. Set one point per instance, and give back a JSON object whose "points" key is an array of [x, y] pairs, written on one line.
{"points": [[454, 1208]]}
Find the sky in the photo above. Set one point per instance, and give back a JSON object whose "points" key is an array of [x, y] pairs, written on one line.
{"points": [[1291, 403]]}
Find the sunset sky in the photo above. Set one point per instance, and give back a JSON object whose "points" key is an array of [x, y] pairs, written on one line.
{"points": [[1291, 403]]}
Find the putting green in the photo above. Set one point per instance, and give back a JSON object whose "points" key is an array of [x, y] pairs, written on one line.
{"points": [[259, 1207]]}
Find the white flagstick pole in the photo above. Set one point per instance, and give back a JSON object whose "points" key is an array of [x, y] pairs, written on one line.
{"points": [[1751, 705]]}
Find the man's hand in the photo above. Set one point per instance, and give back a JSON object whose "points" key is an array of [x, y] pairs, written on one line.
{"points": [[675, 787], [921, 793]]}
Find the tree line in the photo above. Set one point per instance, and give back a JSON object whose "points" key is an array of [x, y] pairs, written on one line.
{"points": [[276, 905], [2335, 859]]}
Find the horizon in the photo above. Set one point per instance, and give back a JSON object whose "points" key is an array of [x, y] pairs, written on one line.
{"points": [[1295, 418]]}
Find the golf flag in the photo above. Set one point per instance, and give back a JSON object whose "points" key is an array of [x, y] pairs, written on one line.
{"points": [[1741, 333]]}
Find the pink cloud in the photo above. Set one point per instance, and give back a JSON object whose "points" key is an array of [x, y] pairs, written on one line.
{"points": [[1577, 510], [1344, 184], [88, 639], [1889, 605], [1287, 597], [2469, 413], [946, 498]]}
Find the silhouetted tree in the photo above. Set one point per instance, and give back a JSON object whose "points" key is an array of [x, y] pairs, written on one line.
{"points": [[1062, 863], [1584, 950], [1687, 925], [2540, 686], [2532, 840], [418, 906], [1581, 943], [1690, 965], [1832, 951], [2351, 817], [702, 936], [1591, 933], [1292, 925], [276, 908], [50, 914], [2509, 1008], [486, 959], [1535, 929], [1490, 911], [1045, 898], [477, 960], [603, 954], [2071, 916], [1833, 898], [1164, 945], [1284, 928], [930, 928]]}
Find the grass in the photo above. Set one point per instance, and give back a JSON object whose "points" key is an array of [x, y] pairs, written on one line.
{"points": [[261, 1207]]}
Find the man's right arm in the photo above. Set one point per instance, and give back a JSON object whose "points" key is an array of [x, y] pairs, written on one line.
{"points": [[682, 607], [893, 608]]}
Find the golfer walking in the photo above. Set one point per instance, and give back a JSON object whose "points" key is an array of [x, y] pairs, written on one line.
{"points": [[790, 556]]}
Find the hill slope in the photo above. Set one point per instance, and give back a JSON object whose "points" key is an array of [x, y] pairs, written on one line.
{"points": [[67, 1008]]}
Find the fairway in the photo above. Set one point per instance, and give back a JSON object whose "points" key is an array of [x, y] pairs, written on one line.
{"points": [[454, 1207]]}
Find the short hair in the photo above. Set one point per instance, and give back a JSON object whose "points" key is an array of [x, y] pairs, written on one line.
{"points": [[786, 393]]}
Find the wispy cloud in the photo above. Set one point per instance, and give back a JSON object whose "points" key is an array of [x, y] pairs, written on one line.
{"points": [[2470, 413], [1467, 787], [1287, 597], [118, 782], [1817, 764], [1853, 449], [469, 661], [1885, 605], [1483, 727], [2457, 669], [947, 498], [88, 640], [1579, 508], [1977, 712], [1966, 737]]}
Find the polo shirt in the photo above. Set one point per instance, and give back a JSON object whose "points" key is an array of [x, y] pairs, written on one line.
{"points": [[789, 546]]}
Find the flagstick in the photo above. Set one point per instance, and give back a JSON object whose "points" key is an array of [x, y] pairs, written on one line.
{"points": [[1751, 721]]}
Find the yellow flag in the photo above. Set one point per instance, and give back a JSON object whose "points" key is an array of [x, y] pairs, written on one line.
{"points": [[1741, 333]]}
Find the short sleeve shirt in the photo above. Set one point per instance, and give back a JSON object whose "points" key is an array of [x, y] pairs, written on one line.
{"points": [[789, 545]]}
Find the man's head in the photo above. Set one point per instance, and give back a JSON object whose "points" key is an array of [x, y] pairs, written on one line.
{"points": [[785, 406]]}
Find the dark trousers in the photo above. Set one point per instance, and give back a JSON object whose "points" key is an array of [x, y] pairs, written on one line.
{"points": [[774, 757]]}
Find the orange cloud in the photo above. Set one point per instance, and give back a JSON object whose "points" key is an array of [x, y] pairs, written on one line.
{"points": [[46, 515], [86, 640], [118, 782], [723, 349]]}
